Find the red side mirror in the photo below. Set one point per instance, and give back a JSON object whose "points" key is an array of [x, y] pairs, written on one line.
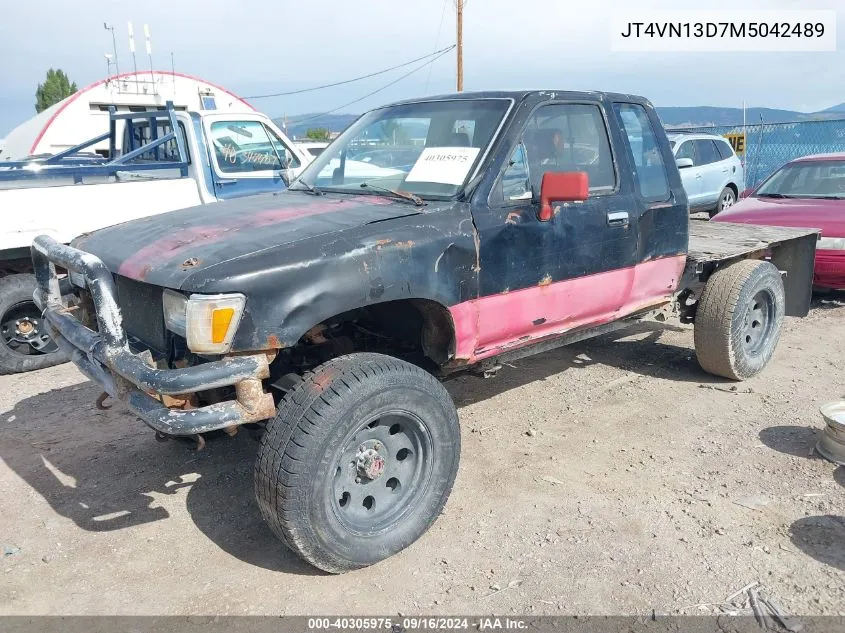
{"points": [[746, 193], [569, 186]]}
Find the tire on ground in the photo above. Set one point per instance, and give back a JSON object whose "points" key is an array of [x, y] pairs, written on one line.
{"points": [[17, 289], [306, 447], [727, 342], [727, 194]]}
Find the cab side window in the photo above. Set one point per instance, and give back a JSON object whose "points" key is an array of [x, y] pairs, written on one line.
{"points": [[248, 146], [567, 138], [516, 182], [644, 152]]}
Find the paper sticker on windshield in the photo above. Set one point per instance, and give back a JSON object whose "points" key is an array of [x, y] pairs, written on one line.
{"points": [[444, 165]]}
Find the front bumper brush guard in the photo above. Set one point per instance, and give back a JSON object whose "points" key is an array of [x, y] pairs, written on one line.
{"points": [[104, 356]]}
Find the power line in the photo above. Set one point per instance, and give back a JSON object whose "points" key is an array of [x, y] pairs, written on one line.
{"points": [[441, 53], [349, 81], [436, 42]]}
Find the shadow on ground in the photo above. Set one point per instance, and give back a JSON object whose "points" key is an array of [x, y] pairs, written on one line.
{"points": [[822, 537], [828, 299], [799, 441], [104, 470], [636, 349]]}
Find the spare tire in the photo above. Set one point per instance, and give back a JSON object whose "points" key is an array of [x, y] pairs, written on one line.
{"points": [[25, 344]]}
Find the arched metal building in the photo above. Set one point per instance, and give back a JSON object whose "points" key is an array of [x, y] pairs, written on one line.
{"points": [[84, 115]]}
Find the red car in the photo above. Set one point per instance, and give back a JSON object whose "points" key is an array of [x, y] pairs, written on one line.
{"points": [[806, 192]]}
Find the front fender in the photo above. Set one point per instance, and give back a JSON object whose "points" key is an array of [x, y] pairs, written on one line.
{"points": [[430, 256]]}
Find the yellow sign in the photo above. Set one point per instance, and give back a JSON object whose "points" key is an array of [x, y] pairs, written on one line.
{"points": [[737, 141]]}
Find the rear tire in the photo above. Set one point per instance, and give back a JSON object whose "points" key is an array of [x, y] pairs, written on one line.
{"points": [[727, 199], [358, 462], [24, 346], [739, 319]]}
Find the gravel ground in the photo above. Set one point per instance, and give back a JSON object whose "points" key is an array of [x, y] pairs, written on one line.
{"points": [[610, 477]]}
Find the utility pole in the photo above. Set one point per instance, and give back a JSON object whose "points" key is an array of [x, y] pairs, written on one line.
{"points": [[459, 5]]}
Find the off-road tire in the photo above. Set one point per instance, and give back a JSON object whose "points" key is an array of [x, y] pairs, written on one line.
{"points": [[724, 320], [17, 289], [301, 458]]}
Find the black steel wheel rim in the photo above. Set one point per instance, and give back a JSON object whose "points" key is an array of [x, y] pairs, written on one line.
{"points": [[381, 472], [24, 332], [759, 321]]}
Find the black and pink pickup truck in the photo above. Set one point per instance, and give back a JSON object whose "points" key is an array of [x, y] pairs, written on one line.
{"points": [[434, 236]]}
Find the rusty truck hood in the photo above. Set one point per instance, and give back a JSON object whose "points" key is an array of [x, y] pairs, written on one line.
{"points": [[168, 249]]}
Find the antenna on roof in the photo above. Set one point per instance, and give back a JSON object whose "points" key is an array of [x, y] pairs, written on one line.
{"points": [[114, 47], [108, 67], [173, 72], [150, 55], [132, 50]]}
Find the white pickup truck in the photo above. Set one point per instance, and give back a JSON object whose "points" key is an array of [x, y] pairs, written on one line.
{"points": [[150, 169]]}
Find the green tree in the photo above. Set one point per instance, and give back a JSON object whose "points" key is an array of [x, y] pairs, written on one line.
{"points": [[318, 134], [56, 87], [393, 133]]}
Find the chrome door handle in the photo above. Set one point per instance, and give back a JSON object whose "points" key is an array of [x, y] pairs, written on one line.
{"points": [[221, 182], [618, 218]]}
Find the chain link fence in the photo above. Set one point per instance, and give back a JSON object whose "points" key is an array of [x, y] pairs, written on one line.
{"points": [[769, 145]]}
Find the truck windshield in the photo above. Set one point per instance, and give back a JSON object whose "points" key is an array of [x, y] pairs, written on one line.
{"points": [[427, 148], [806, 179]]}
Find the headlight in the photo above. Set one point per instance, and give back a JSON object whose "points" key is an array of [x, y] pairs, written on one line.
{"points": [[175, 307], [208, 322]]}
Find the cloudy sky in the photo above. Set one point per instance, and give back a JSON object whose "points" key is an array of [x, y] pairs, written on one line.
{"points": [[257, 46]]}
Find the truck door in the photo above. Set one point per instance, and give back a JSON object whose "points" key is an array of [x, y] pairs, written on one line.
{"points": [[247, 157], [663, 227], [540, 278]]}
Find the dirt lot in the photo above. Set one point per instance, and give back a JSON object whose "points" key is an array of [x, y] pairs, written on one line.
{"points": [[612, 477]]}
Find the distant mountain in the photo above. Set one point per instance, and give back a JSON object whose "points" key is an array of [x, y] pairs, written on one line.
{"points": [[683, 116], [713, 115], [837, 108]]}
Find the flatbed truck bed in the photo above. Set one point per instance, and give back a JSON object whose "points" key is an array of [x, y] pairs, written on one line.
{"points": [[712, 244]]}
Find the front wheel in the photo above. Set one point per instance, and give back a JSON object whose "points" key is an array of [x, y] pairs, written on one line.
{"points": [[739, 319], [25, 345], [358, 462]]}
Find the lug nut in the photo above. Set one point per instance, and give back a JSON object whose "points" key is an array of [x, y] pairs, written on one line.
{"points": [[357, 480]]}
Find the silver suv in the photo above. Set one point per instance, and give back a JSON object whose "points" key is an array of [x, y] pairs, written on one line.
{"points": [[710, 170]]}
